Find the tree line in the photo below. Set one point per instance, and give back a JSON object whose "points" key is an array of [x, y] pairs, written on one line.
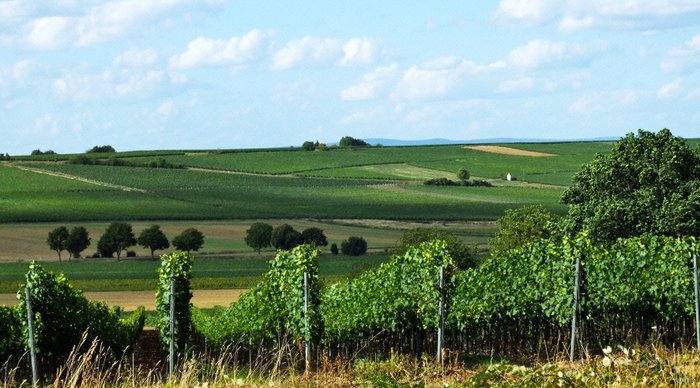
{"points": [[262, 235], [117, 238]]}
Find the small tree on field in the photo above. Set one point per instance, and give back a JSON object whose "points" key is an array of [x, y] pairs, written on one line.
{"points": [[117, 237], [57, 240], [463, 175], [314, 236], [334, 248], [189, 240], [285, 237], [258, 236], [354, 246], [78, 241], [154, 239]]}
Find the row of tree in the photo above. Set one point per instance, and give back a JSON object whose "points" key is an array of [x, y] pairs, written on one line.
{"points": [[262, 235], [118, 237]]}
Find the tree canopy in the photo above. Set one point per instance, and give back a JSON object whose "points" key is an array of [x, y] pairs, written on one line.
{"points": [[349, 141], [78, 241], [154, 239], [117, 237], [285, 237], [101, 149], [190, 239], [57, 240], [518, 227], [354, 246], [258, 236], [648, 184], [314, 236], [464, 255]]}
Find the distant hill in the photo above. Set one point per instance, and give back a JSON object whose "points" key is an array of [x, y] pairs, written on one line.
{"points": [[440, 141]]}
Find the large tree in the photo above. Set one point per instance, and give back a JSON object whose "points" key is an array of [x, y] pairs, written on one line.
{"points": [[57, 240], [78, 241], [354, 246], [349, 141], [117, 237], [258, 236], [648, 184], [314, 236], [154, 239], [190, 239], [520, 226], [285, 237]]}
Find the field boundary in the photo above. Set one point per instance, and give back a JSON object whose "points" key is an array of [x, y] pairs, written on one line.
{"points": [[79, 179]]}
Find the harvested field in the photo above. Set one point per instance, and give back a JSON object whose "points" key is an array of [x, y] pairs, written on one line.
{"points": [[507, 151], [130, 300]]}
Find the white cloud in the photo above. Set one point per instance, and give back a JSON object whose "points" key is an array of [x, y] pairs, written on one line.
{"points": [[671, 89], [370, 85], [164, 112], [307, 50], [607, 101], [683, 57], [516, 85], [107, 85], [359, 51], [51, 32], [137, 58], [235, 51], [579, 14], [540, 52], [46, 125]]}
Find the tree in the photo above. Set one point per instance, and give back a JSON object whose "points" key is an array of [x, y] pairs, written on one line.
{"points": [[154, 239], [354, 246], [648, 184], [190, 239], [314, 236], [101, 149], [520, 226], [334, 248], [463, 174], [57, 240], [117, 237], [348, 141], [285, 237], [258, 236], [78, 241], [464, 255]]}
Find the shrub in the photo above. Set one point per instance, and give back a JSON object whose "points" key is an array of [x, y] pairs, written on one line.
{"points": [[354, 246], [440, 182], [334, 248], [11, 344]]}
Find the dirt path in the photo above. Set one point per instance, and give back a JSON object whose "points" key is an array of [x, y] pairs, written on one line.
{"points": [[80, 179], [130, 300], [507, 151]]}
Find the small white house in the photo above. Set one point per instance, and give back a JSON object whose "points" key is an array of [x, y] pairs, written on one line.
{"points": [[509, 177]]}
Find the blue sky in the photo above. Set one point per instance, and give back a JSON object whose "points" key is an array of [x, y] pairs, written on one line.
{"points": [[206, 74]]}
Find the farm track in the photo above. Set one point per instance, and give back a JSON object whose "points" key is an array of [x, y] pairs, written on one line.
{"points": [[397, 189], [80, 179]]}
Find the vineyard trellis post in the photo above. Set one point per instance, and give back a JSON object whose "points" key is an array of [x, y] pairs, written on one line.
{"points": [[697, 300], [307, 332], [30, 328], [441, 312], [577, 284], [172, 329]]}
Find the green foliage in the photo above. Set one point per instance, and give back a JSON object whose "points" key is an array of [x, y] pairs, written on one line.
{"points": [[117, 237], [285, 237], [154, 239], [463, 174], [462, 254], [258, 236], [334, 248], [398, 296], [440, 182], [354, 246], [349, 141], [273, 308], [78, 241], [63, 315], [58, 239], [518, 227], [314, 236], [190, 239], [101, 149], [175, 267], [650, 183], [10, 333]]}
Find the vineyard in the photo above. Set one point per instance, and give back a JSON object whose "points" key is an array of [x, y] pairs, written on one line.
{"points": [[637, 290]]}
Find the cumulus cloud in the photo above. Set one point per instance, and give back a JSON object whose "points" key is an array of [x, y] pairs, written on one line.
{"points": [[370, 85], [321, 51], [540, 52], [137, 58], [572, 15], [164, 112], [683, 57], [606, 101], [671, 89], [82, 25], [235, 51]]}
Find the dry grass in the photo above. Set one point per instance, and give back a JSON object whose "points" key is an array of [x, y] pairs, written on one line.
{"points": [[507, 151]]}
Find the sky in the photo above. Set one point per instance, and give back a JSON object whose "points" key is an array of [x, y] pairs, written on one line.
{"points": [[217, 74]]}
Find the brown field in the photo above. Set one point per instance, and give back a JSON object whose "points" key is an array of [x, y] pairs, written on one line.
{"points": [[130, 300], [507, 151]]}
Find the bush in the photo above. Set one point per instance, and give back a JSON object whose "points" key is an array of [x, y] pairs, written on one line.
{"points": [[354, 246], [334, 248], [440, 182], [11, 344]]}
